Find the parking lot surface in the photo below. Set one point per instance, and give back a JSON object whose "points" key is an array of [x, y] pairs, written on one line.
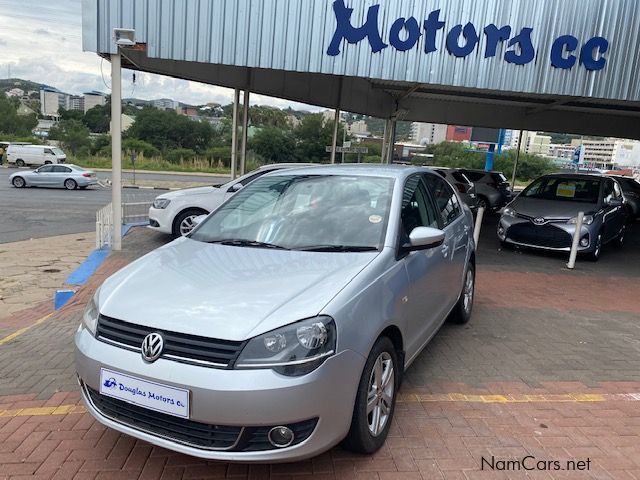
{"points": [[548, 368]]}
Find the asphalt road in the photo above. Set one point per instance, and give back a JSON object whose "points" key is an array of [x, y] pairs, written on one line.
{"points": [[43, 212]]}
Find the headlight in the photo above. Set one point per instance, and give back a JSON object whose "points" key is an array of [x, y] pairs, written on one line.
{"points": [[90, 316], [588, 220], [295, 349], [161, 203], [509, 212]]}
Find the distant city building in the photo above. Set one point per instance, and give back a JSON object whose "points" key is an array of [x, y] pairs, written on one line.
{"points": [[608, 153], [93, 99], [456, 133], [358, 128], [329, 115], [164, 104], [43, 127], [15, 92], [51, 100], [511, 139], [75, 102], [428, 133], [534, 143], [187, 111]]}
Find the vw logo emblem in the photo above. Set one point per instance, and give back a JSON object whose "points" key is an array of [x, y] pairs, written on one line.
{"points": [[152, 347], [539, 221]]}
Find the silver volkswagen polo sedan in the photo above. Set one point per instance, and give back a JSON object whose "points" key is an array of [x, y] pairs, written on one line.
{"points": [[283, 323]]}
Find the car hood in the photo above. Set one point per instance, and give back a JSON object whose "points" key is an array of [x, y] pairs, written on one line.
{"points": [[535, 207], [226, 292], [187, 192]]}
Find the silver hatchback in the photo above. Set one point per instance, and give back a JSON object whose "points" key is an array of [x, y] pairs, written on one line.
{"points": [[283, 323]]}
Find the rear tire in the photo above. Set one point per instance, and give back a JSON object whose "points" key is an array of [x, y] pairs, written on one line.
{"points": [[70, 184], [18, 182], [20, 162], [376, 399], [461, 313]]}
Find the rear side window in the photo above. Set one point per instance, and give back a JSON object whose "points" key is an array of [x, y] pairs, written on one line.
{"points": [[59, 169], [442, 173], [474, 176], [498, 178], [446, 200], [46, 169], [461, 177]]}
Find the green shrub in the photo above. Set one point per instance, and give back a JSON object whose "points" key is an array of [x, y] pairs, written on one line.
{"points": [[179, 154]]}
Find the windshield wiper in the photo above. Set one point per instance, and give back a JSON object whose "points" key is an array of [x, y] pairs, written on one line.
{"points": [[248, 243], [337, 248]]}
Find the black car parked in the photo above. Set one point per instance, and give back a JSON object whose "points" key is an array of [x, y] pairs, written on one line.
{"points": [[492, 188]]}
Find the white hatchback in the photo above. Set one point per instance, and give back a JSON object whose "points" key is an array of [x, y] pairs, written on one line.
{"points": [[174, 212]]}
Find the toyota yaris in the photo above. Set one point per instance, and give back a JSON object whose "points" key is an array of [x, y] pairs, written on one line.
{"points": [[283, 323]]}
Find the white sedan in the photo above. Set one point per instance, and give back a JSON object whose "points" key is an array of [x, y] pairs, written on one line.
{"points": [[174, 212]]}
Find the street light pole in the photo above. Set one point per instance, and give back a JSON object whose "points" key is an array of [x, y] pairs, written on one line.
{"points": [[116, 148]]}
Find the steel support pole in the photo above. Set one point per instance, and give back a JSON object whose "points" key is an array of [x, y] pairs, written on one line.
{"points": [[576, 239], [334, 142], [116, 148], [245, 126], [392, 142], [234, 135], [515, 165], [383, 151]]}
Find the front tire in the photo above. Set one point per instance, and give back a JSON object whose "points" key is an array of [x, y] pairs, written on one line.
{"points": [[20, 163], [376, 399], [183, 224], [18, 182], [461, 313], [597, 251], [70, 184]]}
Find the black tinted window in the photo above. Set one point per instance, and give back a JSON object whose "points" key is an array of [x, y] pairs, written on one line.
{"points": [[474, 176], [417, 209], [446, 200], [461, 177], [59, 169]]}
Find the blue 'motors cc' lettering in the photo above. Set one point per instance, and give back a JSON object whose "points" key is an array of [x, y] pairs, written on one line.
{"points": [[588, 52], [565, 43], [523, 41], [470, 35], [413, 34], [352, 34], [494, 36], [431, 26]]}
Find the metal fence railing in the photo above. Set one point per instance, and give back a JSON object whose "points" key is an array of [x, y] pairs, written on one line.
{"points": [[132, 212]]}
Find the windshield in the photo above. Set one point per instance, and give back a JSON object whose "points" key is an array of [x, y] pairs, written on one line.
{"points": [[586, 190], [57, 151], [304, 212]]}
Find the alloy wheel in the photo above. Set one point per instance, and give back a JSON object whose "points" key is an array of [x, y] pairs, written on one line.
{"points": [[187, 225], [467, 294], [381, 393], [18, 182], [69, 184]]}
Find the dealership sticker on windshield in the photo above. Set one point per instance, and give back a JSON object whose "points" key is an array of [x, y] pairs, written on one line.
{"points": [[151, 395], [566, 190], [375, 218]]}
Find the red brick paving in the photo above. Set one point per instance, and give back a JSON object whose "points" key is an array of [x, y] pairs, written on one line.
{"points": [[430, 440]]}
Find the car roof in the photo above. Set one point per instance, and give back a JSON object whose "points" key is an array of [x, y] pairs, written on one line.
{"points": [[278, 166], [357, 169], [577, 175]]}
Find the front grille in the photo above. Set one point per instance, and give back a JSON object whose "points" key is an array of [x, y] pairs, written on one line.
{"points": [[181, 347], [181, 430], [189, 432], [542, 236]]}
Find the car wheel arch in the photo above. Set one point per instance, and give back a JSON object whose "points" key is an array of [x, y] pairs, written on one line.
{"points": [[393, 333]]}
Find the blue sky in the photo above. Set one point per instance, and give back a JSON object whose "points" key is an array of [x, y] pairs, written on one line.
{"points": [[42, 41]]}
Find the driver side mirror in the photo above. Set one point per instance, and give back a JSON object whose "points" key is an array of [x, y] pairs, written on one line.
{"points": [[423, 238], [236, 187]]}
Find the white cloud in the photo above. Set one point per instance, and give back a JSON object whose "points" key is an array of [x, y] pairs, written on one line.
{"points": [[42, 41]]}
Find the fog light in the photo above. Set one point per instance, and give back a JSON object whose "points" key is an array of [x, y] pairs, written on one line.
{"points": [[280, 437], [584, 242]]}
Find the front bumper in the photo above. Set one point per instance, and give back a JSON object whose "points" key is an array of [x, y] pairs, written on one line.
{"points": [[552, 236], [242, 398], [161, 220]]}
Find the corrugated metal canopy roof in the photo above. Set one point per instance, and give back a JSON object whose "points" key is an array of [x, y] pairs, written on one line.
{"points": [[279, 48]]}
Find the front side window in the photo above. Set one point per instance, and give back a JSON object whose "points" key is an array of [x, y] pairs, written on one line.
{"points": [[45, 169], [304, 212], [445, 198], [417, 209]]}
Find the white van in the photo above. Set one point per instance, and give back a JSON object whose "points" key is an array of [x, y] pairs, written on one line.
{"points": [[22, 155]]}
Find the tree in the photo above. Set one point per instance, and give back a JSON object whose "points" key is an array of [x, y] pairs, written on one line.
{"points": [[274, 145], [98, 118], [313, 136], [70, 114], [10, 122], [73, 135]]}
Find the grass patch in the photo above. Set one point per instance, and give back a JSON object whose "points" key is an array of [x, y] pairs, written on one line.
{"points": [[155, 164]]}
